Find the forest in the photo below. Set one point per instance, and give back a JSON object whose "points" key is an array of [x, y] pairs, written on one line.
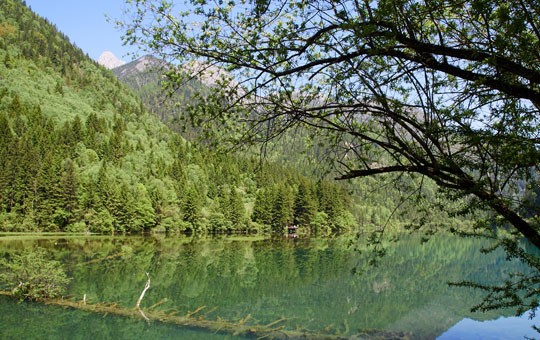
{"points": [[81, 152]]}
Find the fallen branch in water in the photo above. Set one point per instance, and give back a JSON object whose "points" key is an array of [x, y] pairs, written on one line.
{"points": [[275, 322], [146, 286], [143, 315], [101, 259], [243, 320], [158, 303], [190, 314], [216, 326]]}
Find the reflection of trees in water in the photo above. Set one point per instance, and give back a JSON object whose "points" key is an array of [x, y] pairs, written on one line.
{"points": [[247, 271], [307, 281]]}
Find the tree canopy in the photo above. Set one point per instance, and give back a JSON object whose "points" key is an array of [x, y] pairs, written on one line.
{"points": [[449, 90]]}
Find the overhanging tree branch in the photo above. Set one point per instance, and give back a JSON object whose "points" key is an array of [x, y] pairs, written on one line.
{"points": [[451, 92]]}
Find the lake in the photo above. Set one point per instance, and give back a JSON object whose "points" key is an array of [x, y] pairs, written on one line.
{"points": [[320, 285]]}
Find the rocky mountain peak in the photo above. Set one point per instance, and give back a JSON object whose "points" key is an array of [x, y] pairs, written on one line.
{"points": [[145, 64], [109, 60]]}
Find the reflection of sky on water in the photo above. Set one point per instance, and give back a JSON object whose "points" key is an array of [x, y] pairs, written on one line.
{"points": [[500, 329]]}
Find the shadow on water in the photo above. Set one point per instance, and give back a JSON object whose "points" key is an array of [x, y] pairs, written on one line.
{"points": [[307, 283]]}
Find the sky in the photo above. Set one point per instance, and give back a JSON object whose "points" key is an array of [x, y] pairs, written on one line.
{"points": [[85, 23]]}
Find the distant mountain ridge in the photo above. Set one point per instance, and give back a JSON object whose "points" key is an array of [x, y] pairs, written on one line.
{"points": [[145, 76], [147, 63]]}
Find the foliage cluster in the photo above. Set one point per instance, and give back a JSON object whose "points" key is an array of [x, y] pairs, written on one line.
{"points": [[32, 276]]}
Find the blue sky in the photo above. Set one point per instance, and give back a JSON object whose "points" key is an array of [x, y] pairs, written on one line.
{"points": [[84, 22]]}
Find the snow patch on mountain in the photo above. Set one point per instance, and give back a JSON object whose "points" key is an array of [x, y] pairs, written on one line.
{"points": [[109, 60]]}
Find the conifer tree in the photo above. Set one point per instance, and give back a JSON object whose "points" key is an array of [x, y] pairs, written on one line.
{"points": [[330, 199], [6, 145], [118, 205], [283, 209], [262, 209], [305, 205], [191, 207], [237, 211], [69, 194], [16, 108], [179, 177], [141, 214], [48, 204]]}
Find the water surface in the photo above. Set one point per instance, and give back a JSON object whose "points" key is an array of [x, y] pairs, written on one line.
{"points": [[320, 285]]}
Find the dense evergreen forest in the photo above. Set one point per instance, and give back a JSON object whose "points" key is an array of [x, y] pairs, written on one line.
{"points": [[81, 152]]}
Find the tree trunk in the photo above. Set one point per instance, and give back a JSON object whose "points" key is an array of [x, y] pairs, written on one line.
{"points": [[525, 228]]}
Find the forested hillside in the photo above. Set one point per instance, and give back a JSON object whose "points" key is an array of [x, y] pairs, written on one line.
{"points": [[144, 77], [80, 153], [375, 202]]}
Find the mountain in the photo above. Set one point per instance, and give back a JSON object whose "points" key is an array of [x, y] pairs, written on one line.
{"points": [[145, 77], [147, 64], [376, 201], [109, 60], [81, 153]]}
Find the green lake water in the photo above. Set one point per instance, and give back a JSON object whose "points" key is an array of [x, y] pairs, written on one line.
{"points": [[321, 285]]}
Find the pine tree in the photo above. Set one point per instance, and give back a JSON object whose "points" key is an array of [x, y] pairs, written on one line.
{"points": [[118, 200], [141, 213], [223, 200], [330, 199], [177, 174], [48, 203], [16, 107], [262, 209], [191, 207], [236, 210], [26, 163], [6, 146], [69, 194], [95, 128], [116, 148], [305, 204], [283, 209]]}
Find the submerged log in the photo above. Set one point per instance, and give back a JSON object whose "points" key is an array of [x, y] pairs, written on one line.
{"points": [[146, 287], [216, 326]]}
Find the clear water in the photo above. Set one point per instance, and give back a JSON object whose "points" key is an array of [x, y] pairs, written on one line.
{"points": [[311, 284]]}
